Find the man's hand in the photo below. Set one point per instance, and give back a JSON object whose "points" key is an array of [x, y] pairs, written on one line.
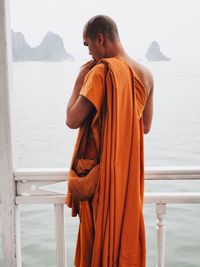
{"points": [[85, 69], [79, 107]]}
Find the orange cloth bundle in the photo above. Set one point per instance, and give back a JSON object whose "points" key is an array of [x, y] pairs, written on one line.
{"points": [[112, 230], [83, 187]]}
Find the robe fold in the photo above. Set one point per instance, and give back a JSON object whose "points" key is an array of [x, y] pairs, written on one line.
{"points": [[112, 230]]}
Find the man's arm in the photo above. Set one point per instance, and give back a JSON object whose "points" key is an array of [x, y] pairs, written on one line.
{"points": [[78, 106], [148, 113]]}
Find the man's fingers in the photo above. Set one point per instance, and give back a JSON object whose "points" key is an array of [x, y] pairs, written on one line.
{"points": [[92, 64], [88, 66]]}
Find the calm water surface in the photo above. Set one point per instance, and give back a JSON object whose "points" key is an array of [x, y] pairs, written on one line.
{"points": [[41, 91]]}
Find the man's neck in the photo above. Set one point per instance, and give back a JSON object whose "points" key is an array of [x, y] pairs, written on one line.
{"points": [[115, 50]]}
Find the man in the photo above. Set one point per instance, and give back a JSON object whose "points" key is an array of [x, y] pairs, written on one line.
{"points": [[117, 89]]}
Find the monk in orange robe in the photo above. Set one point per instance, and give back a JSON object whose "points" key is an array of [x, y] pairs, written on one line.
{"points": [[117, 90]]}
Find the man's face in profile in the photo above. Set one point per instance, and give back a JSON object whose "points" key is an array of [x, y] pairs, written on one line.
{"points": [[95, 47]]}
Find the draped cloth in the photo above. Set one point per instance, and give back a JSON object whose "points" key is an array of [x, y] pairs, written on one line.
{"points": [[112, 230]]}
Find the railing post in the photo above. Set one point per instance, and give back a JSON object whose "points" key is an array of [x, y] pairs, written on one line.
{"points": [[161, 233], [9, 213], [60, 235]]}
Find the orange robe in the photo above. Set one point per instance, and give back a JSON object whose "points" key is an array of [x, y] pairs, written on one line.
{"points": [[112, 230]]}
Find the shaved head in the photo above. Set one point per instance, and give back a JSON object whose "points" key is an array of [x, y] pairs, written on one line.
{"points": [[101, 24]]}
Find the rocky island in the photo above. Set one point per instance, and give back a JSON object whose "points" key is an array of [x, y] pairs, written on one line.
{"points": [[154, 54], [50, 49]]}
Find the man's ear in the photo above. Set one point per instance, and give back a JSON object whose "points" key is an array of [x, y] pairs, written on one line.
{"points": [[100, 38]]}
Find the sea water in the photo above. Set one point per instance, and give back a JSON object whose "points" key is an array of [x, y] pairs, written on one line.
{"points": [[40, 94]]}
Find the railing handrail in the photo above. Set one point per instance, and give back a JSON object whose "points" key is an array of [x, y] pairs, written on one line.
{"points": [[29, 181], [151, 173]]}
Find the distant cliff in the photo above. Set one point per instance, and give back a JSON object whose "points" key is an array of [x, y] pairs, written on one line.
{"points": [[154, 54], [50, 49]]}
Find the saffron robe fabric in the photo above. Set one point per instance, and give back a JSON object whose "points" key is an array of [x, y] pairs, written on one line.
{"points": [[112, 230]]}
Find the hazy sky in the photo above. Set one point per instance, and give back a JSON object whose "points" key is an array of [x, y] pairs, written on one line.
{"points": [[173, 23]]}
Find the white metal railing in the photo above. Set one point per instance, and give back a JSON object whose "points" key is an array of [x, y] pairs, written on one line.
{"points": [[29, 181]]}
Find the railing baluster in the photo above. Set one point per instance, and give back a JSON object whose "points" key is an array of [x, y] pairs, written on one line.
{"points": [[161, 233], [60, 235]]}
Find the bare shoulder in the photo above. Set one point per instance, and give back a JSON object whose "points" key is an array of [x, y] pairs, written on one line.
{"points": [[143, 73]]}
